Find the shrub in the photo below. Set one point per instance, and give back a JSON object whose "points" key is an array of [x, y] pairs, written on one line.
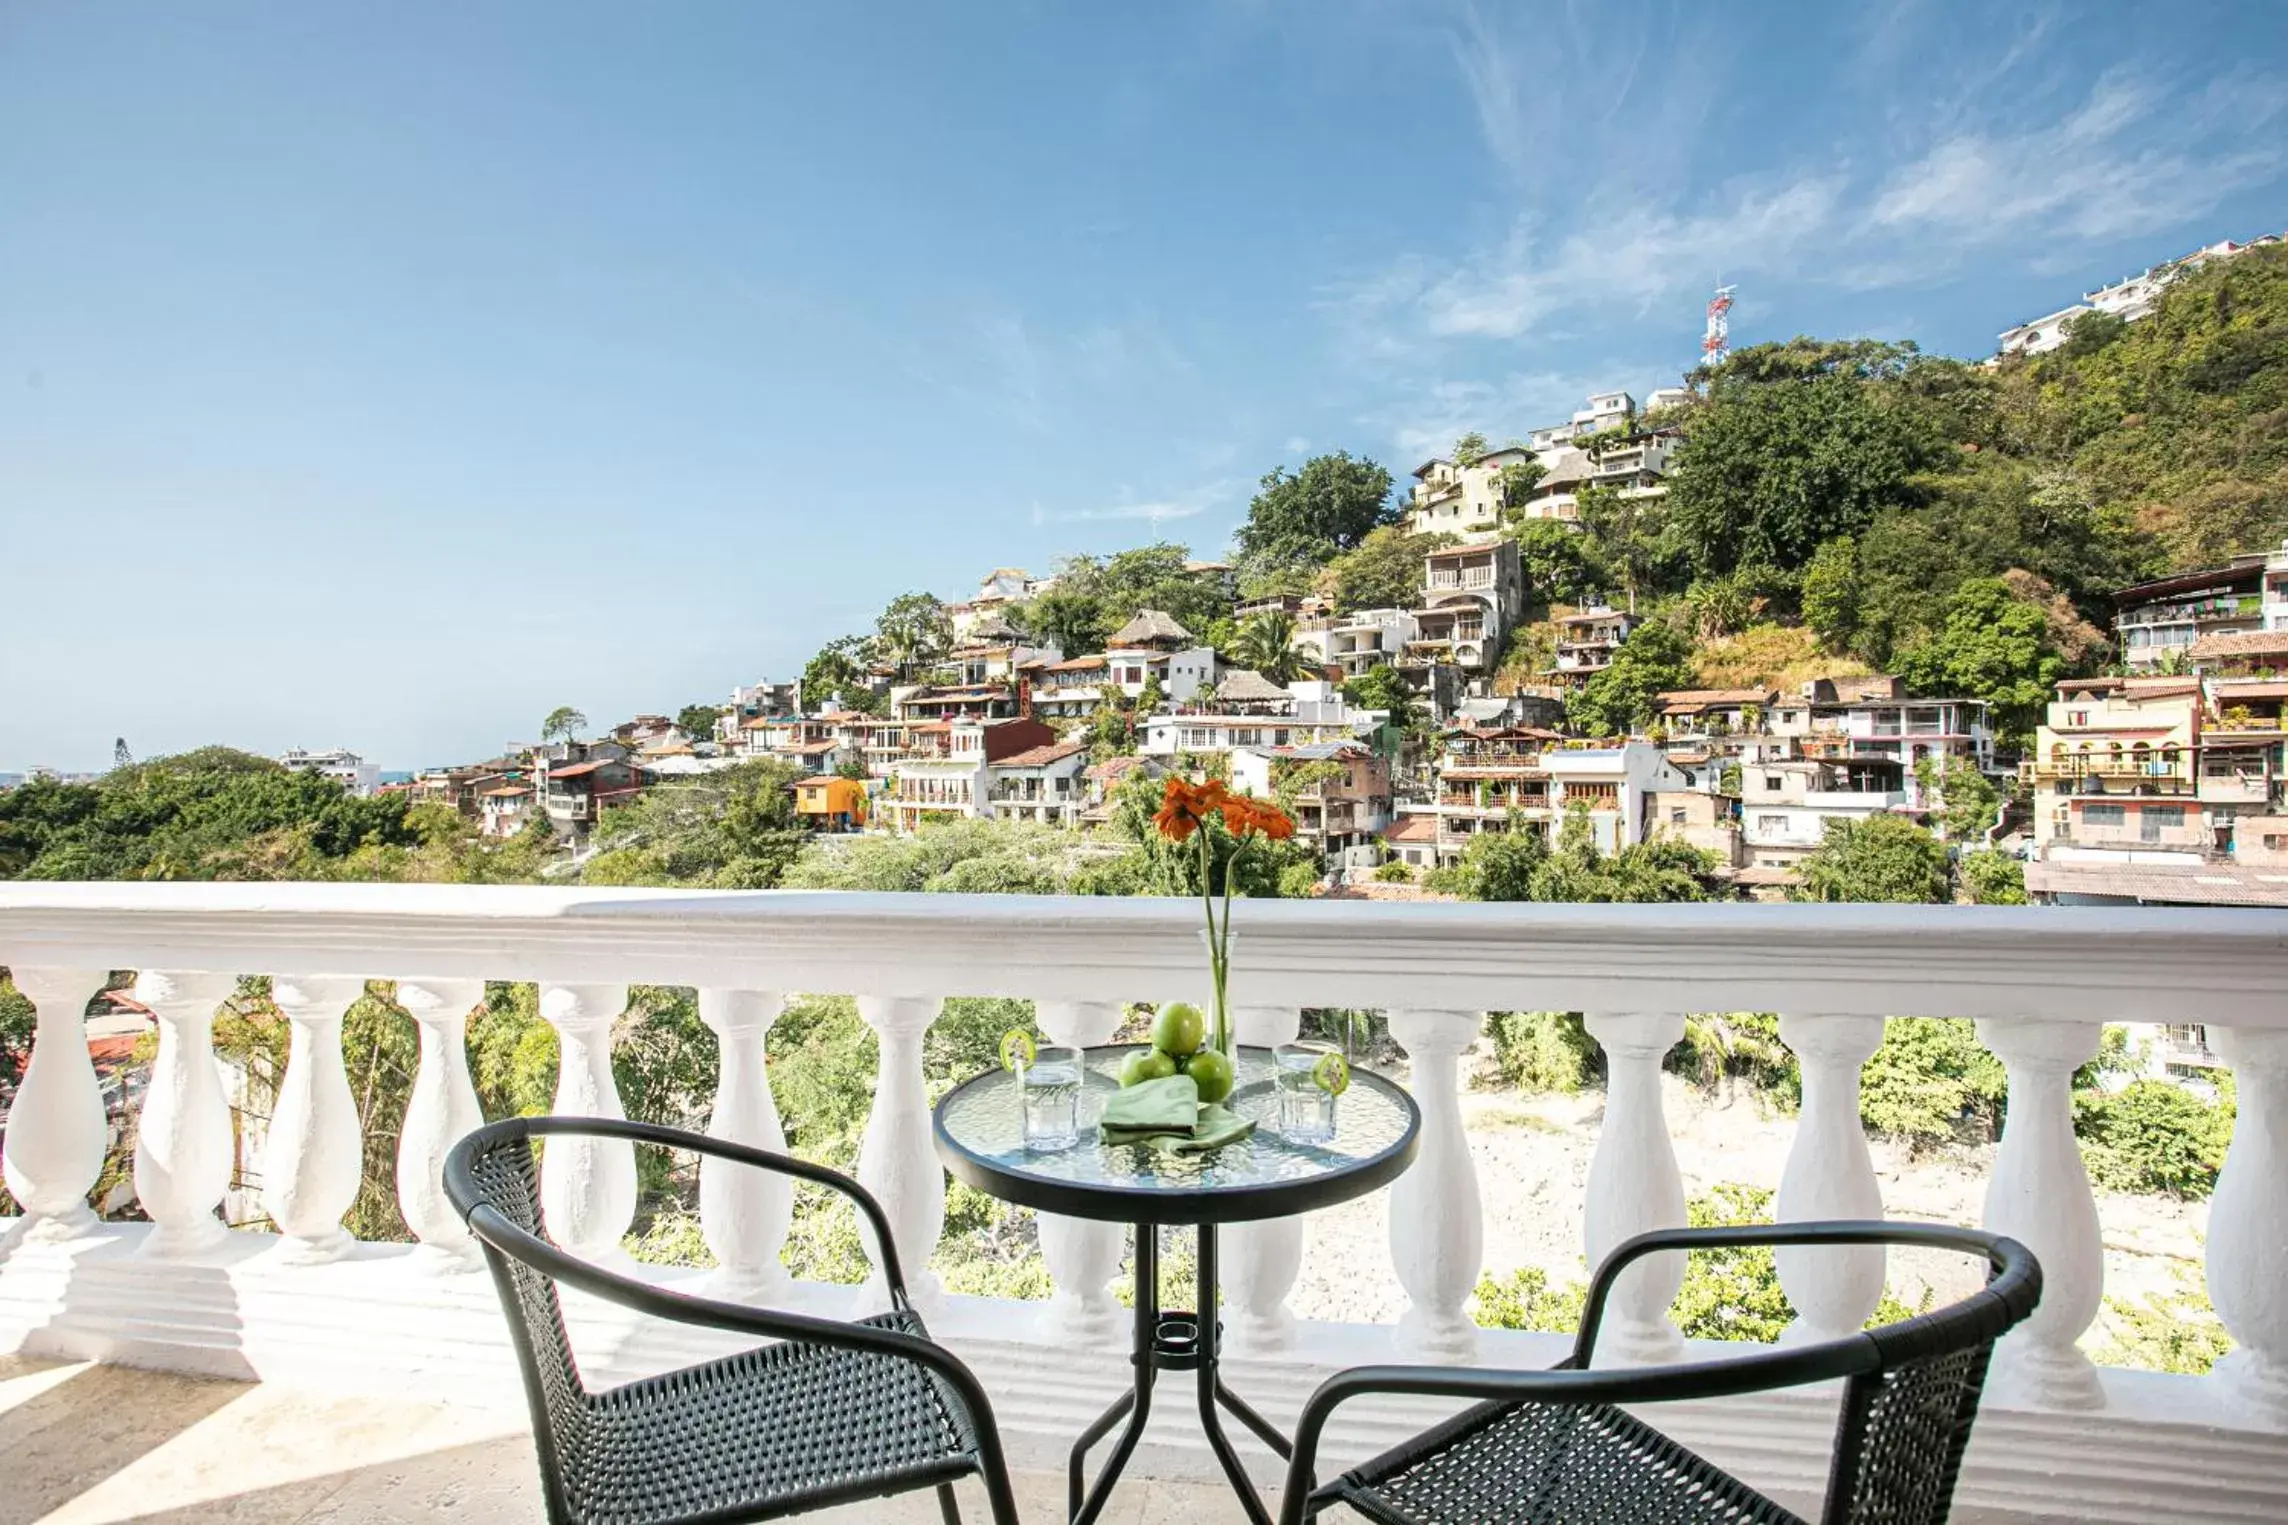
{"points": [[2152, 1136], [1728, 1294], [2166, 1331], [1544, 1050], [1930, 1081], [1396, 871]]}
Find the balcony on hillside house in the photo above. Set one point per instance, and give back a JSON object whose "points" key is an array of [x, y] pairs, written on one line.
{"points": [[397, 1354]]}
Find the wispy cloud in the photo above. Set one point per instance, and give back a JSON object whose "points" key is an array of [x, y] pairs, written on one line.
{"points": [[1184, 505], [2131, 154]]}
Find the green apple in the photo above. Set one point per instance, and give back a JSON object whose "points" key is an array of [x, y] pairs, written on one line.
{"points": [[1146, 1064], [1179, 1029], [1211, 1072]]}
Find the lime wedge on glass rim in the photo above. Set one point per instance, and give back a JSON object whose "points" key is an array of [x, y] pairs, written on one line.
{"points": [[1333, 1073], [1017, 1049]]}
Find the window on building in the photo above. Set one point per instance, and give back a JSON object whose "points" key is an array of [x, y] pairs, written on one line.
{"points": [[1771, 825], [1676, 817], [1773, 782], [2155, 821], [2104, 815]]}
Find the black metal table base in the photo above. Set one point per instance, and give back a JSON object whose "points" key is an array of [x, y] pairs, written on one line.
{"points": [[1171, 1341]]}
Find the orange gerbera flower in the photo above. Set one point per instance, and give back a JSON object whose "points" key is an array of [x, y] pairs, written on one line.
{"points": [[1185, 808]]}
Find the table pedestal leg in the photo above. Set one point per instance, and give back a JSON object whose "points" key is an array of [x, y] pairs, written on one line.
{"points": [[1176, 1342]]}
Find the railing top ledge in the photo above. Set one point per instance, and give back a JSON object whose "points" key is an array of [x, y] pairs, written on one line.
{"points": [[2149, 963]]}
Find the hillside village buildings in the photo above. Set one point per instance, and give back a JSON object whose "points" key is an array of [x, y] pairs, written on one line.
{"points": [[2129, 299]]}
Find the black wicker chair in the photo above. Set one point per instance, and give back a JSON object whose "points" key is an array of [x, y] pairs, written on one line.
{"points": [[1551, 1446], [829, 1413]]}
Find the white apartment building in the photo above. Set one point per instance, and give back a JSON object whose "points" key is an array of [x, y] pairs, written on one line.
{"points": [[1043, 785], [2129, 299], [346, 768], [1312, 711], [1786, 807], [1358, 642]]}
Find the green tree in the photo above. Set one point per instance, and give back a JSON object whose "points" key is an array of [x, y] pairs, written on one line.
{"points": [[1384, 571], [698, 720], [1515, 481], [1068, 619], [1309, 518], [1267, 645], [1386, 688], [1990, 645], [1795, 445], [1881, 858], [564, 723], [732, 829], [1633, 540], [1502, 865], [1832, 595], [1654, 659], [1469, 449], [1966, 799], [913, 632], [1993, 877], [1560, 563], [841, 669]]}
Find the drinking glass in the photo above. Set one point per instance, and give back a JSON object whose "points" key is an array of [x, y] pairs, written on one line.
{"points": [[1306, 1108], [1051, 1085]]}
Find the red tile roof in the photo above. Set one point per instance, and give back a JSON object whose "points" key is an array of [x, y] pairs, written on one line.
{"points": [[1041, 757], [1411, 828]]}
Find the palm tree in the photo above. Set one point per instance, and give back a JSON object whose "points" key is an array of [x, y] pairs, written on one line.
{"points": [[1267, 644]]}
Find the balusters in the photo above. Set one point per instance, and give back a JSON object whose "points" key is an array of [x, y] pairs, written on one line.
{"points": [[1260, 1261], [1634, 1187], [1437, 1241], [2040, 1196], [587, 1185], [1834, 1288], [183, 1139], [440, 1113], [53, 1148], [744, 1213], [896, 1160], [1082, 1255], [2248, 1226], [314, 1156]]}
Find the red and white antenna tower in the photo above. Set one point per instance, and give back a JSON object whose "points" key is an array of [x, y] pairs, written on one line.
{"points": [[1716, 343]]}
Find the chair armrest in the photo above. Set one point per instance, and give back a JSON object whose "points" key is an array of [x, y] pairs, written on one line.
{"points": [[465, 1195], [1767, 1368], [1998, 1252]]}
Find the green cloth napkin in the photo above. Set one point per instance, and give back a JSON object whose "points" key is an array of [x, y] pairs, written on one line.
{"points": [[1167, 1115], [1135, 1113]]}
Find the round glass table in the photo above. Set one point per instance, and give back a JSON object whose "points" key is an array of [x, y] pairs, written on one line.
{"points": [[980, 1136]]}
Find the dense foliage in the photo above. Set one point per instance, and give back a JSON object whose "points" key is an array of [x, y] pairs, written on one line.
{"points": [[1300, 521], [210, 814]]}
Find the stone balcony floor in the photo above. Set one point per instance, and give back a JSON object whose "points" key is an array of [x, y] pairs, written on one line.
{"points": [[86, 1444]]}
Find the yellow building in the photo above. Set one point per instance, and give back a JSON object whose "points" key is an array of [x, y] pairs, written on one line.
{"points": [[2116, 767], [830, 803]]}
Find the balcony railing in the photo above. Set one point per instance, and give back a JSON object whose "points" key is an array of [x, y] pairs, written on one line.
{"points": [[2060, 1437]]}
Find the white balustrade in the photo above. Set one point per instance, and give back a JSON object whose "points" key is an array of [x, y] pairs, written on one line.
{"points": [[1437, 1237], [1260, 1261], [1834, 1288], [744, 1213], [53, 1148], [587, 1185], [2248, 1227], [1634, 1187], [1082, 1255], [897, 1161], [441, 1112], [183, 1142], [2041, 983], [315, 1154], [2039, 1195]]}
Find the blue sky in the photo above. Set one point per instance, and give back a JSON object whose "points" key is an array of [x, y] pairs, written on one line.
{"points": [[384, 376]]}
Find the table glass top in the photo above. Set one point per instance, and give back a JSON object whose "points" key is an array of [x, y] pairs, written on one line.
{"points": [[984, 1118]]}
